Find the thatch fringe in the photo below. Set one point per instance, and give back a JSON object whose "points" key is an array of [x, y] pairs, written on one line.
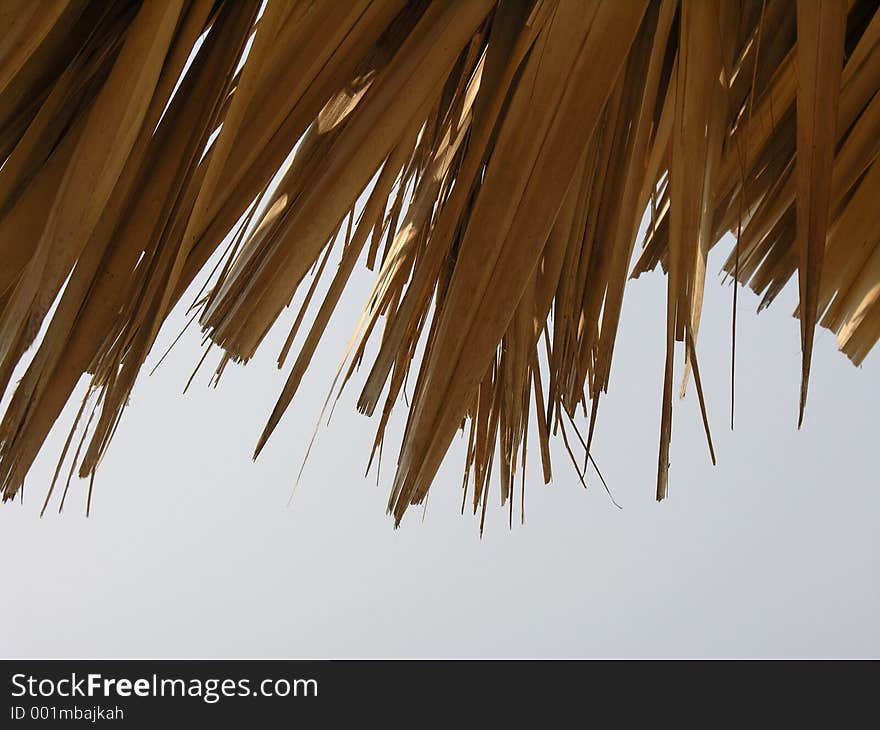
{"points": [[490, 160]]}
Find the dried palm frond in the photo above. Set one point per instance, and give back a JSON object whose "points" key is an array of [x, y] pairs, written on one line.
{"points": [[489, 160]]}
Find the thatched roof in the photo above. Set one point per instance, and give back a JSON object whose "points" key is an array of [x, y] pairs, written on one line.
{"points": [[489, 160]]}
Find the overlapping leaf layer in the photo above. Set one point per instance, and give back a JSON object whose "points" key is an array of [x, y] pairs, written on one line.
{"points": [[489, 160]]}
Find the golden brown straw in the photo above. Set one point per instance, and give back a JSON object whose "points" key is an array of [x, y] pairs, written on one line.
{"points": [[489, 160]]}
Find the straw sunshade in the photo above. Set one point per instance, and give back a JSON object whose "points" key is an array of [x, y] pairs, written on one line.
{"points": [[490, 161]]}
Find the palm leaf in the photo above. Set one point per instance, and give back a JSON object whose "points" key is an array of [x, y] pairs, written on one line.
{"points": [[489, 160]]}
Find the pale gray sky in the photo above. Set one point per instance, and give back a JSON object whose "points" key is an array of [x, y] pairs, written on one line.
{"points": [[190, 549]]}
